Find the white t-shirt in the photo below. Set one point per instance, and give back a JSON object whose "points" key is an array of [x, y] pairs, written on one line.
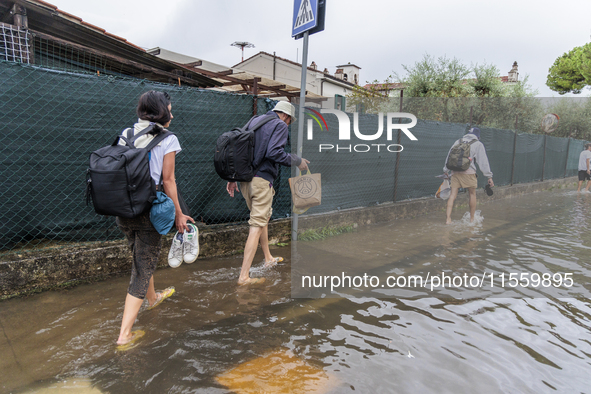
{"points": [[586, 154], [167, 145]]}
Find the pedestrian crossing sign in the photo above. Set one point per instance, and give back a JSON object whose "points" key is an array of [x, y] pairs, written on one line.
{"points": [[305, 16]]}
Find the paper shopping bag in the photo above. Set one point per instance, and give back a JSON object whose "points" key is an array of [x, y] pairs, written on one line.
{"points": [[306, 192]]}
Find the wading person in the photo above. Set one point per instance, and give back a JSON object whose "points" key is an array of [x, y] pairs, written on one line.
{"points": [[584, 168], [270, 141], [153, 108], [468, 150]]}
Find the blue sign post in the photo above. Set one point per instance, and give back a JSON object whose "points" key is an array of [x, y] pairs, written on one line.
{"points": [[308, 18]]}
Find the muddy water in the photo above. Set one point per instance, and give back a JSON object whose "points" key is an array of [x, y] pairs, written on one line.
{"points": [[215, 337]]}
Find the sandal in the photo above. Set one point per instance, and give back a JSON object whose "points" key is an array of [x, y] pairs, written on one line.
{"points": [[252, 281], [273, 263], [135, 335], [162, 296]]}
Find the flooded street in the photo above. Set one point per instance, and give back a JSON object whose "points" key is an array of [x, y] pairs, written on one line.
{"points": [[215, 337]]}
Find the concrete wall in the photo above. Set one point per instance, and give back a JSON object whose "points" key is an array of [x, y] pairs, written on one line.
{"points": [[33, 271]]}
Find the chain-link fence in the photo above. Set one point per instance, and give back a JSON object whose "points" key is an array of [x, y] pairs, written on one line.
{"points": [[52, 120]]}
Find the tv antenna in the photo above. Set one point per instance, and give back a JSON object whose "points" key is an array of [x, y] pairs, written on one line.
{"points": [[242, 45]]}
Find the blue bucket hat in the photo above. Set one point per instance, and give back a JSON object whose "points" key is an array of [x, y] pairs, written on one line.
{"points": [[475, 131]]}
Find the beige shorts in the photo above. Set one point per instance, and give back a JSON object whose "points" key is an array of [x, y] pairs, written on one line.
{"points": [[465, 181], [258, 194]]}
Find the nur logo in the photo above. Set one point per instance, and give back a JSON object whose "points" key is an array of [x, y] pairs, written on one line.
{"points": [[345, 130]]}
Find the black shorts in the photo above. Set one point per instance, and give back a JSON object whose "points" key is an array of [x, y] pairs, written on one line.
{"points": [[583, 176]]}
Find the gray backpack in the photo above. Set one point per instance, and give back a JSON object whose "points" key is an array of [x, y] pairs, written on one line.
{"points": [[459, 156]]}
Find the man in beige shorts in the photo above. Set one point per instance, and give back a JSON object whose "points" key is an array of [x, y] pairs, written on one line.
{"points": [[269, 153], [467, 179]]}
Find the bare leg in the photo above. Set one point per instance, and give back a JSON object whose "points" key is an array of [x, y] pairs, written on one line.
{"points": [[450, 203], [151, 294], [580, 184], [472, 202], [588, 184], [264, 240], [132, 307], [249, 251]]}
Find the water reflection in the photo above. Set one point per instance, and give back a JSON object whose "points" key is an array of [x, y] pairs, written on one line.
{"points": [[215, 337]]}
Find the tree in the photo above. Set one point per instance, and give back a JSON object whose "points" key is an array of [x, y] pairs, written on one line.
{"points": [[447, 90], [436, 78], [571, 72]]}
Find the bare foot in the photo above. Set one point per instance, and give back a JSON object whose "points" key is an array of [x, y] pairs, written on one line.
{"points": [[273, 262], [251, 281], [133, 336], [448, 221]]}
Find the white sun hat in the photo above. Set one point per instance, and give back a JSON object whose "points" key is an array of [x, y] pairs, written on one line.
{"points": [[286, 108]]}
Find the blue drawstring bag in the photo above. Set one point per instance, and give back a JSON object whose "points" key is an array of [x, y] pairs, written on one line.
{"points": [[162, 213]]}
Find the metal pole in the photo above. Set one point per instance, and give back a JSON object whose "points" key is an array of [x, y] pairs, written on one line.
{"points": [[398, 154], [255, 92], [544, 160], [566, 161], [471, 109], [295, 220], [514, 149]]}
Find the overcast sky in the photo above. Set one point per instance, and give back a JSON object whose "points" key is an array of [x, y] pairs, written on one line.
{"points": [[377, 35]]}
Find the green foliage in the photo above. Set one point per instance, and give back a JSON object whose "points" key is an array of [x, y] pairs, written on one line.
{"points": [[487, 82], [566, 74], [436, 78], [447, 90]]}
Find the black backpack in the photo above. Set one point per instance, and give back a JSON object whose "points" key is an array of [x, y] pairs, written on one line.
{"points": [[118, 176], [459, 156], [234, 152]]}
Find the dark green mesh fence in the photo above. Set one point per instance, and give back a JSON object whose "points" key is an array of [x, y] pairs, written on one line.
{"points": [[53, 119]]}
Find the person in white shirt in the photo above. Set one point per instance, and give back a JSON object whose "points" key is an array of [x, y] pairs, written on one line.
{"points": [[467, 179], [154, 108], [584, 167]]}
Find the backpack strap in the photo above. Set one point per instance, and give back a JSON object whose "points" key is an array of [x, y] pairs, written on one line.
{"points": [[266, 119], [141, 133], [469, 142], [130, 138], [158, 138]]}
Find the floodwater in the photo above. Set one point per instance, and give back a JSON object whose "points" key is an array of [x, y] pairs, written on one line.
{"points": [[215, 337]]}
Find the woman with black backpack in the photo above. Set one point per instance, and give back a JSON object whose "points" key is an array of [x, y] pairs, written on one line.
{"points": [[154, 109]]}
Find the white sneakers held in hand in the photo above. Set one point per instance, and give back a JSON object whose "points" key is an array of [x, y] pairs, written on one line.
{"points": [[191, 244], [185, 247]]}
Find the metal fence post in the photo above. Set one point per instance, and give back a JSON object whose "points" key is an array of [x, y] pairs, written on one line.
{"points": [[544, 159], [566, 160], [398, 154], [255, 92], [514, 150]]}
